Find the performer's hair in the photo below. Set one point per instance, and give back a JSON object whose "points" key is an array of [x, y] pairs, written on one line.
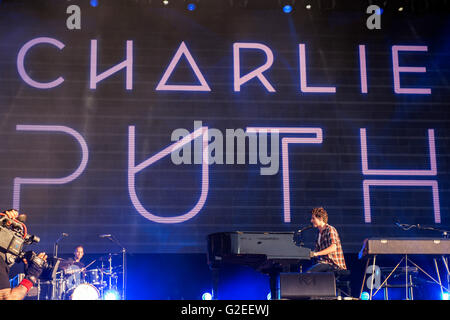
{"points": [[320, 213]]}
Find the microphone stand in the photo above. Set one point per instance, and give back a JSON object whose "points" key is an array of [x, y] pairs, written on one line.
{"points": [[55, 255], [55, 248], [298, 240], [406, 227], [124, 266]]}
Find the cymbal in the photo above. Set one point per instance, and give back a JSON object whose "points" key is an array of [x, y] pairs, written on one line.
{"points": [[102, 285], [107, 256], [105, 270]]}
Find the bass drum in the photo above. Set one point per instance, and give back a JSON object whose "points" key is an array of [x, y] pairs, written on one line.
{"points": [[84, 291]]}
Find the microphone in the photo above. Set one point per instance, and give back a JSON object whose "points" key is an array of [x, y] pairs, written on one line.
{"points": [[104, 236], [61, 237], [397, 223], [405, 226], [305, 228]]}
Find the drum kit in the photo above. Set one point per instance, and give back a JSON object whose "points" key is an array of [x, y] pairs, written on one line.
{"points": [[73, 282]]}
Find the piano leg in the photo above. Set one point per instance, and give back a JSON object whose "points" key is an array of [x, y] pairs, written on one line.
{"points": [[274, 277], [215, 282]]}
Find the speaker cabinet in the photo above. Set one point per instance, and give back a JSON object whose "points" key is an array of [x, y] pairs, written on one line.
{"points": [[307, 285]]}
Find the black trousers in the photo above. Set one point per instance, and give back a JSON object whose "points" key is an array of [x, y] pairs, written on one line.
{"points": [[322, 267]]}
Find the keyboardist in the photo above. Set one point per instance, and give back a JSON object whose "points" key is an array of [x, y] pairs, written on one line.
{"points": [[328, 249]]}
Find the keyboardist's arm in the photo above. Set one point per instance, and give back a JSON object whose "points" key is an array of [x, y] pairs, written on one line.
{"points": [[326, 251]]}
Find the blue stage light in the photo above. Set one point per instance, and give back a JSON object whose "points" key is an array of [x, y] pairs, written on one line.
{"points": [[207, 296], [269, 296], [191, 6], [287, 8], [94, 3], [445, 296], [111, 295], [365, 296]]}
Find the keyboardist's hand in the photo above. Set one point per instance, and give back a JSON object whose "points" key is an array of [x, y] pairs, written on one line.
{"points": [[312, 254]]}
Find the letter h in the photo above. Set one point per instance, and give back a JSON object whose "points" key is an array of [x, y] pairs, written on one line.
{"points": [[395, 172]]}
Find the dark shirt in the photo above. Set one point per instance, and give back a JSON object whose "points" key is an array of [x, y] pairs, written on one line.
{"points": [[70, 262], [4, 274]]}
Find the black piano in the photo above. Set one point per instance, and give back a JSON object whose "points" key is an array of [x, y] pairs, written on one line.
{"points": [[267, 252]]}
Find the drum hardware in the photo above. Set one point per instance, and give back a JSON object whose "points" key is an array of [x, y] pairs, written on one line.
{"points": [[124, 264], [91, 286], [75, 283], [110, 271]]}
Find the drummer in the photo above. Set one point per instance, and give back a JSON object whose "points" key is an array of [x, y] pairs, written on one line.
{"points": [[76, 260]]}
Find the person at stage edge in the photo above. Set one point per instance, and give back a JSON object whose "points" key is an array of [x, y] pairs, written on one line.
{"points": [[32, 273], [328, 250]]}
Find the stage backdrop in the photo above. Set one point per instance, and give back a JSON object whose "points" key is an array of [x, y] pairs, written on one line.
{"points": [[160, 126]]}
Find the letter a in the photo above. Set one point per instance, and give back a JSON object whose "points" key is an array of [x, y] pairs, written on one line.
{"points": [[374, 20], [74, 20], [163, 86]]}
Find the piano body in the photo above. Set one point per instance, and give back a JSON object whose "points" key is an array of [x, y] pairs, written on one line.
{"points": [[404, 246], [266, 252]]}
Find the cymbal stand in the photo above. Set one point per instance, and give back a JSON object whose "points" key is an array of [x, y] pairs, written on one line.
{"points": [[38, 290], [101, 281], [124, 265], [110, 272]]}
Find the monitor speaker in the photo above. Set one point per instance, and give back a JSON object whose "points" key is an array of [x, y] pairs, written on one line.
{"points": [[307, 285]]}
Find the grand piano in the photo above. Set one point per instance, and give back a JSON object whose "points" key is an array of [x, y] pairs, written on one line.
{"points": [[267, 252]]}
